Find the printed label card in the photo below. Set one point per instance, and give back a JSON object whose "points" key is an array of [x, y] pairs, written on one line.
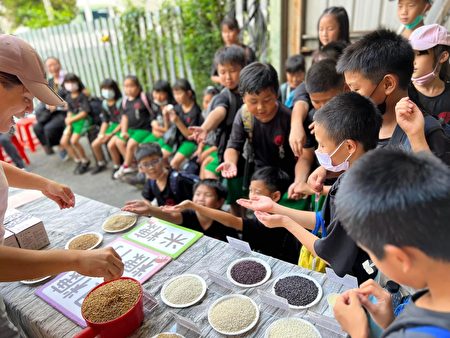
{"points": [[169, 239], [67, 291]]}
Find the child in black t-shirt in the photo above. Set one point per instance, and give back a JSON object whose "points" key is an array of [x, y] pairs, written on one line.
{"points": [[271, 182], [167, 186], [134, 125], [342, 139], [230, 61], [395, 206], [263, 123], [208, 193], [430, 87], [185, 114], [110, 116], [78, 122]]}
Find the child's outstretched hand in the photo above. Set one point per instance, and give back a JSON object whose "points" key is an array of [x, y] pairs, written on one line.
{"points": [[349, 312], [198, 134], [258, 203], [409, 117], [140, 207], [228, 169], [104, 263], [187, 204], [381, 312], [60, 193], [272, 221]]}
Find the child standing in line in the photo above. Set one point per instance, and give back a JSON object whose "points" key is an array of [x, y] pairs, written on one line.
{"points": [[184, 115], [207, 193], [345, 129], [111, 116], [430, 87], [408, 244], [230, 61], [134, 126], [295, 74], [77, 122], [411, 14]]}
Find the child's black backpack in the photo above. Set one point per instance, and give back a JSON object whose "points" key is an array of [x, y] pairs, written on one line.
{"points": [[174, 178], [96, 110]]}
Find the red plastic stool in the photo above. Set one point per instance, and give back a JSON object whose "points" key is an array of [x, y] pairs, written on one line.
{"points": [[20, 150], [24, 128]]}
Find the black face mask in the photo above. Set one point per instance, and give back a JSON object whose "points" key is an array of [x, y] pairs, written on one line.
{"points": [[382, 106]]}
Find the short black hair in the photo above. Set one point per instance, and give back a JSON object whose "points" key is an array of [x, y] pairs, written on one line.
{"points": [[322, 76], [184, 85], [256, 77], [148, 149], [342, 18], [233, 55], [216, 185], [332, 50], [350, 116], [275, 179], [377, 54], [398, 198], [164, 86], [211, 90], [111, 84], [71, 77], [295, 63], [230, 22]]}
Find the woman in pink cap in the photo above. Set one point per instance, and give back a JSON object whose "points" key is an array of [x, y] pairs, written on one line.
{"points": [[22, 78], [430, 86]]}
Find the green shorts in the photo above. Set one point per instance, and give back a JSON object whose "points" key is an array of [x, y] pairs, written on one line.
{"points": [[212, 166], [138, 135], [80, 127], [153, 139], [301, 204], [187, 148], [235, 190], [111, 127]]}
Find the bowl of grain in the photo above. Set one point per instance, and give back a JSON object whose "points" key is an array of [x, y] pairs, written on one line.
{"points": [[183, 290], [119, 222], [292, 327], [86, 241], [233, 314], [168, 335], [248, 272], [113, 309]]}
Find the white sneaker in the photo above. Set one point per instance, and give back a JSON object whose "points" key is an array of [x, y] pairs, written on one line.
{"points": [[119, 173], [129, 170]]}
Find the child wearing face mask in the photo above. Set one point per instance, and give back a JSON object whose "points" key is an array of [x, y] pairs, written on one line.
{"points": [[77, 122], [411, 14], [110, 116], [430, 87]]}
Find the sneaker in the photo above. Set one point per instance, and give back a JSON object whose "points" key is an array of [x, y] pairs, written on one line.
{"points": [[113, 172], [76, 171], [84, 167], [118, 173], [63, 155], [48, 150], [129, 170], [98, 169]]}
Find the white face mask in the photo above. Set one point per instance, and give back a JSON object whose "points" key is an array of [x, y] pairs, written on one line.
{"points": [[71, 87], [108, 94], [326, 161]]}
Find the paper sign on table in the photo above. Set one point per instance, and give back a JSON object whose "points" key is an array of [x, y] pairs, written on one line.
{"points": [[23, 198], [67, 291], [347, 280], [169, 239]]}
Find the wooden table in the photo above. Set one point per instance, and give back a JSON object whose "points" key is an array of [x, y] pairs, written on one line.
{"points": [[39, 319]]}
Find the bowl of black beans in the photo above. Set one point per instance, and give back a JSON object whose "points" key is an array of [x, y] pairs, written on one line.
{"points": [[300, 290], [248, 272]]}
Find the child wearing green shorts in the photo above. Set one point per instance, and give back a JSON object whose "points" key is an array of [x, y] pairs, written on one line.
{"points": [[77, 122], [110, 115], [184, 115], [135, 125]]}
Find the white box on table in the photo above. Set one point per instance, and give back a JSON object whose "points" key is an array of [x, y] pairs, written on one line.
{"points": [[28, 230], [10, 239]]}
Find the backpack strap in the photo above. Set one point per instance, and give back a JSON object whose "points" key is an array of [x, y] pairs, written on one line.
{"points": [[144, 100], [173, 182], [433, 331], [400, 139], [124, 103], [232, 109], [248, 121]]}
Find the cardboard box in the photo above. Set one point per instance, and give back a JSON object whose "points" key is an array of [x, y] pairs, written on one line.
{"points": [[10, 239], [28, 230]]}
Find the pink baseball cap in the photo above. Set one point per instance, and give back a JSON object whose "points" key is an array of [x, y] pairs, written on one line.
{"points": [[18, 58], [429, 36]]}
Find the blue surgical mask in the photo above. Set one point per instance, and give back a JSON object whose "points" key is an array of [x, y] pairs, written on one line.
{"points": [[108, 94], [326, 161]]}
